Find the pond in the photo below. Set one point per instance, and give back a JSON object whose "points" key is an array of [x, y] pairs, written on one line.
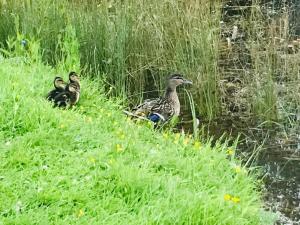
{"points": [[278, 156]]}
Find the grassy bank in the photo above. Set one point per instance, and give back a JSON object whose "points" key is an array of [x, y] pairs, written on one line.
{"points": [[91, 165]]}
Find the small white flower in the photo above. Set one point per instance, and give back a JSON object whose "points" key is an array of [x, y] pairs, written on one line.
{"points": [[18, 206], [45, 167]]}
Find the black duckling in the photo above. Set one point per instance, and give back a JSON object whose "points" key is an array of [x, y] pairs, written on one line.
{"points": [[69, 97], [164, 108], [59, 87]]}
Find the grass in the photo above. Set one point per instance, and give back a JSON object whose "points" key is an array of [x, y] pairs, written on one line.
{"points": [[92, 165]]}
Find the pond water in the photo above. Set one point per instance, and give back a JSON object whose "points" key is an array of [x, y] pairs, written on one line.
{"points": [[276, 154]]}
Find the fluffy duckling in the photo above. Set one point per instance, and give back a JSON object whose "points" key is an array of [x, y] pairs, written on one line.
{"points": [[59, 87], [70, 96], [164, 108]]}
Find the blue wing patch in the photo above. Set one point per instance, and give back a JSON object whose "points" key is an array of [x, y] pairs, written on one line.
{"points": [[156, 117]]}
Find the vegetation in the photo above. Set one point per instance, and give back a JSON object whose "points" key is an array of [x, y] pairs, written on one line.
{"points": [[245, 68], [132, 46], [91, 164]]}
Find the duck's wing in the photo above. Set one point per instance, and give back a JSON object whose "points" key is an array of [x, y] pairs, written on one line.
{"points": [[62, 99], [146, 106], [51, 95], [163, 109]]}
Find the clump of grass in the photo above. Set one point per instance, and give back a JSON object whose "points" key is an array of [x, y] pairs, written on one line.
{"points": [[92, 164]]}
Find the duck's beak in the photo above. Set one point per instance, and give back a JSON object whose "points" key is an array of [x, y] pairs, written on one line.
{"points": [[185, 81]]}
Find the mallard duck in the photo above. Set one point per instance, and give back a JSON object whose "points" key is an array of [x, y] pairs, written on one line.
{"points": [[164, 108], [59, 86]]}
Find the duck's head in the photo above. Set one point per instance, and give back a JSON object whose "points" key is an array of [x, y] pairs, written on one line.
{"points": [[59, 83], [73, 88], [177, 79], [73, 77]]}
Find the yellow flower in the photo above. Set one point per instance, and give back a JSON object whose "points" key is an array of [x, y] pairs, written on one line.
{"points": [[230, 151], [119, 148], [237, 169], [62, 126], [89, 119], [235, 199], [186, 141], [165, 135], [197, 144], [109, 114], [80, 213], [227, 197], [92, 159]]}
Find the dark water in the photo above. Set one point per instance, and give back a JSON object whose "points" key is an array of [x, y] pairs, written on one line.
{"points": [[277, 153]]}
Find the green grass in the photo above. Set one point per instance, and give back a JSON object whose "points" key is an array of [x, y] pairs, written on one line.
{"points": [[91, 165]]}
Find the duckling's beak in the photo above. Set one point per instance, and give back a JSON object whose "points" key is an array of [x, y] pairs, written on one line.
{"points": [[185, 81]]}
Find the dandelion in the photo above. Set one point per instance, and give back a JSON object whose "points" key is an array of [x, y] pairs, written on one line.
{"points": [[92, 159], [230, 151], [227, 197], [80, 213], [62, 126], [119, 148], [237, 169], [197, 144], [165, 135], [235, 199], [186, 141]]}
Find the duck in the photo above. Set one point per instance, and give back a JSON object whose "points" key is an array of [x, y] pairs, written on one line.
{"points": [[59, 86], [70, 95], [162, 109]]}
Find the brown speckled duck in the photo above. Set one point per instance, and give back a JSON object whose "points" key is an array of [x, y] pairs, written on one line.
{"points": [[164, 108]]}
